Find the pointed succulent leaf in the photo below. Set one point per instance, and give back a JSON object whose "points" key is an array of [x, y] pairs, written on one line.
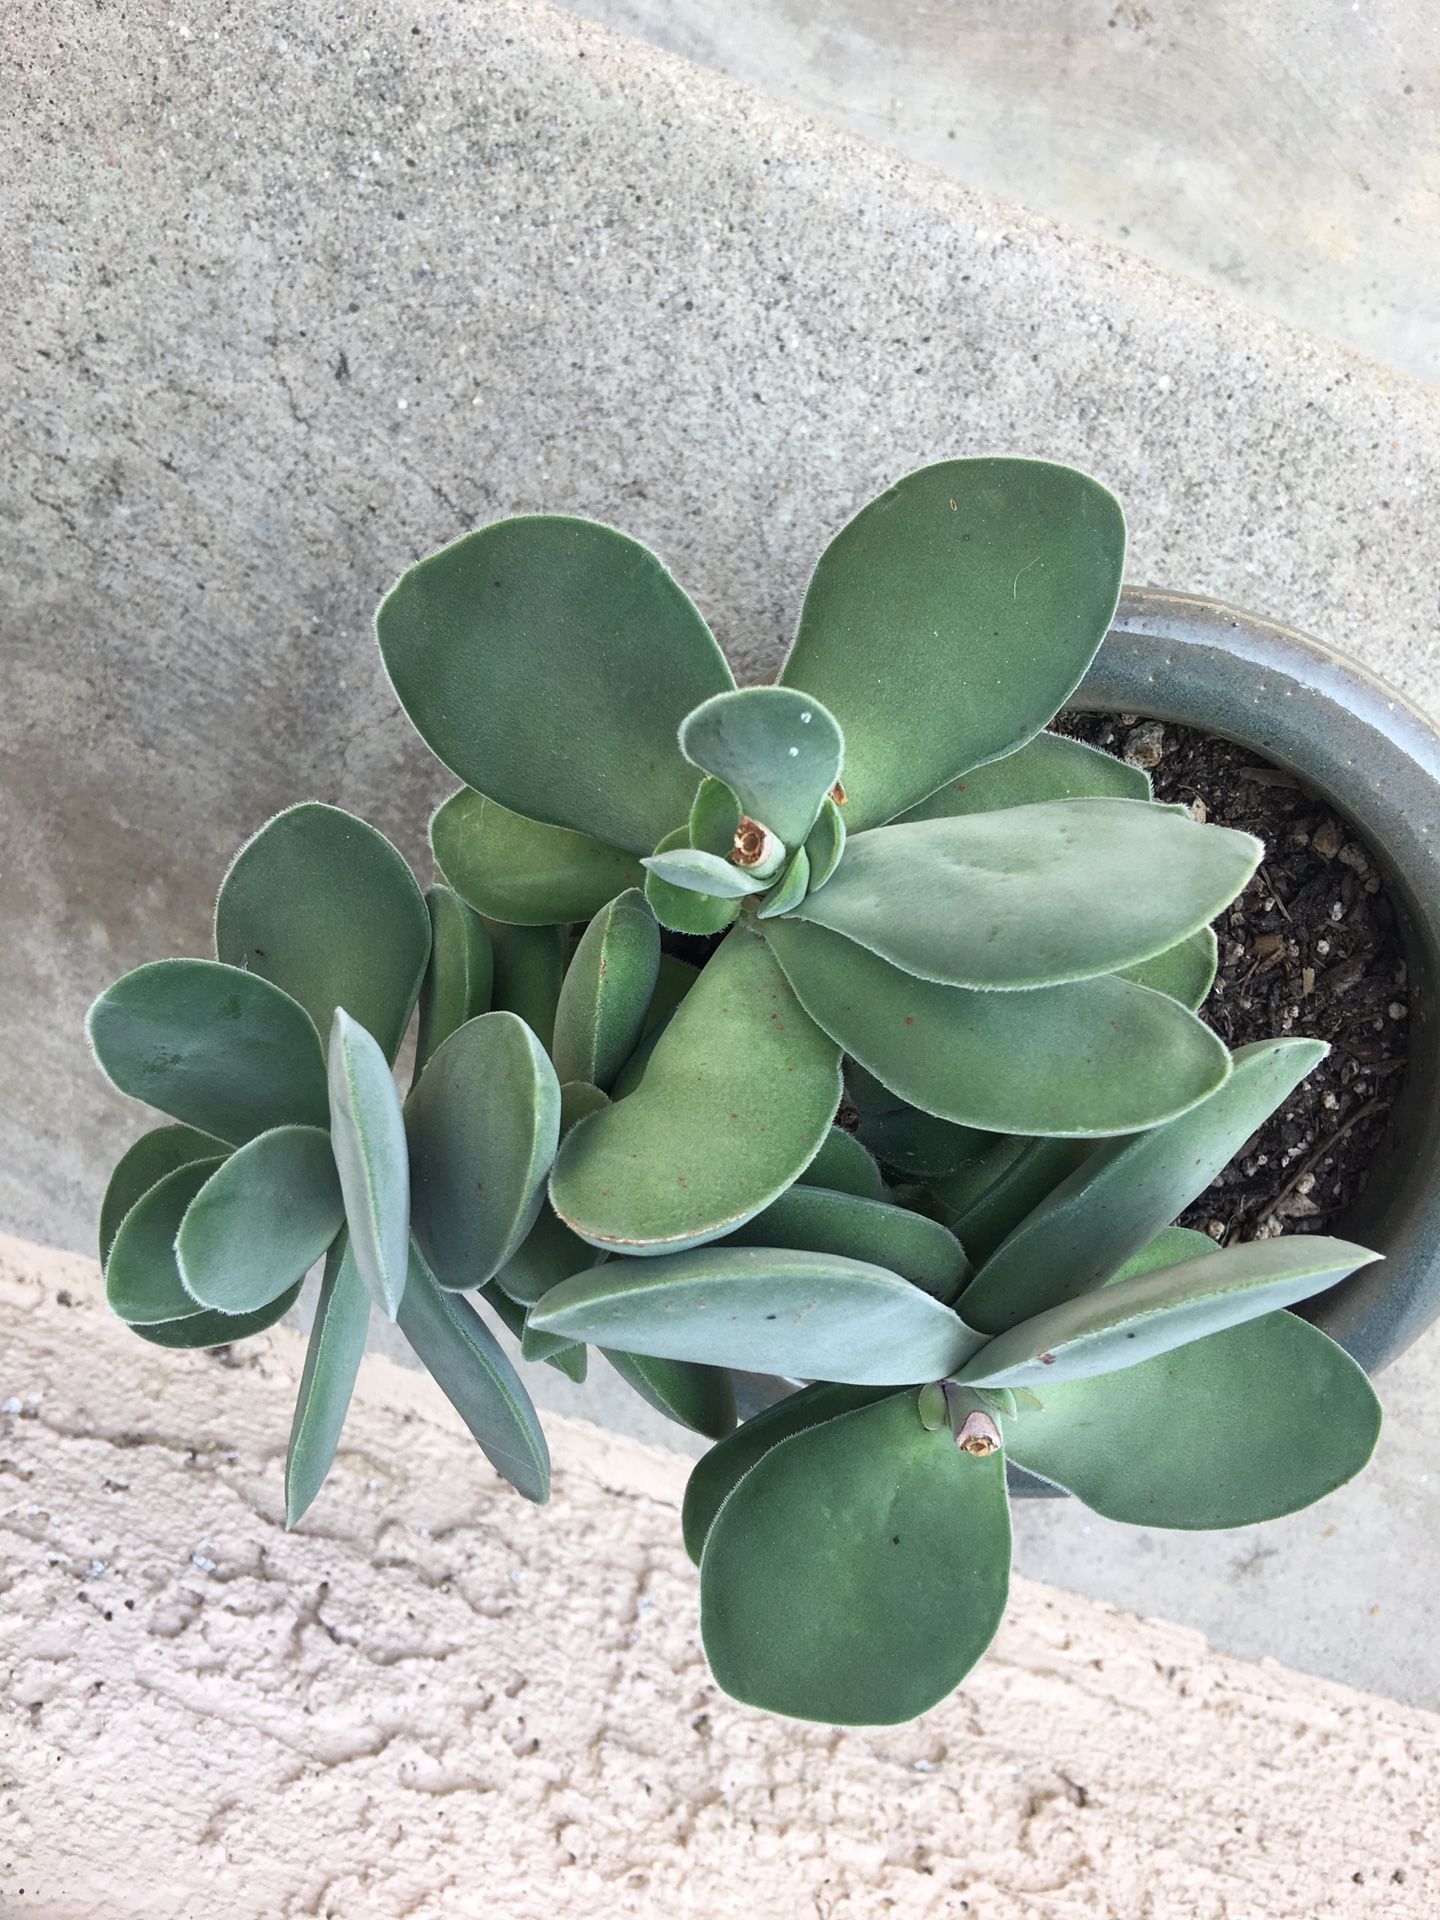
{"points": [[1185, 971], [529, 971], [213, 1046], [903, 1137], [919, 1250], [858, 1570], [1019, 1185], [714, 818], [826, 844], [703, 873], [593, 618], [1123, 1193], [367, 1134], [952, 618], [205, 1328], [694, 1396], [844, 1166], [778, 751], [521, 871], [1094, 1057], [142, 1277], [1032, 896], [578, 1100], [332, 1361], [790, 889], [680, 909], [468, 1364], [1146, 1314], [564, 1355], [735, 1101], [322, 905], [459, 975], [764, 1310], [143, 1165], [607, 991], [261, 1221], [1049, 767]]}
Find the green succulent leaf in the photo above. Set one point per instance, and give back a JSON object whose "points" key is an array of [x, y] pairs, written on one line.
{"points": [[332, 1361], [679, 908], [322, 905], [914, 1143], [549, 1253], [919, 1250], [703, 873], [736, 1098], [593, 618], [578, 1100], [1185, 971], [213, 1046], [468, 1364], [858, 1570], [843, 1165], [521, 871], [790, 889], [607, 991], [952, 618], [483, 1125], [1146, 1314], [778, 751], [1049, 767], [825, 845], [529, 972], [207, 1329], [261, 1221], [564, 1355], [1123, 1193], [764, 1310], [143, 1165], [367, 1134], [1094, 1057], [1021, 1180], [698, 1397], [142, 1277], [673, 981], [459, 976], [1034, 896], [714, 818]]}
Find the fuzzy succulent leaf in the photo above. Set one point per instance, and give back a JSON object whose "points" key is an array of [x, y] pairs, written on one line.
{"points": [[858, 1570], [825, 845], [549, 1253], [592, 618], [1090, 1058], [367, 1135], [1123, 1193], [1049, 767], [1032, 896], [714, 818], [912, 1142], [143, 1165], [525, 872], [673, 981], [1185, 971], [703, 873], [564, 1355], [322, 905], [778, 751], [213, 1046], [698, 1397], [789, 890], [735, 1100], [679, 908], [952, 618], [843, 1165], [765, 1310], [459, 975], [483, 1124], [529, 972], [261, 1221], [333, 1354], [1022, 1179], [607, 991], [142, 1276], [919, 1250], [209, 1329]]}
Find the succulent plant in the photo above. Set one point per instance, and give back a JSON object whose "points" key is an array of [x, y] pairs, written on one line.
{"points": [[842, 1030]]}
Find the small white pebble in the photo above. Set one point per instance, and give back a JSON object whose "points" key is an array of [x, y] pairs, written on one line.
{"points": [[203, 1562], [1322, 947], [1397, 1010], [924, 1766], [1337, 912], [12, 1405], [1329, 1102]]}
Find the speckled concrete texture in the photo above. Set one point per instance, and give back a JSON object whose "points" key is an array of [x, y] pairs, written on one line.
{"points": [[433, 1699]]}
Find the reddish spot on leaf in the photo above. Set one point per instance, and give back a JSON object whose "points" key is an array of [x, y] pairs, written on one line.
{"points": [[1047, 1359]]}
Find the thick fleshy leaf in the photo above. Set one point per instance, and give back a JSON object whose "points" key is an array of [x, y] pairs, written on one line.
{"points": [[206, 1328], [673, 981], [459, 975], [607, 991], [367, 1134], [549, 1254], [529, 970], [952, 618], [1124, 1192], [680, 909], [703, 873], [1149, 1313], [1049, 767], [143, 1165], [844, 1166], [1022, 1179], [735, 1101], [778, 751], [483, 1125], [524, 871], [142, 1276], [714, 818], [564, 1355], [1032, 896], [261, 1221], [698, 1397], [919, 1250], [1094, 1057], [322, 905], [468, 1364], [858, 1571], [764, 1310], [1185, 971], [903, 1137], [213, 1046], [790, 889], [549, 662], [332, 1360], [826, 844]]}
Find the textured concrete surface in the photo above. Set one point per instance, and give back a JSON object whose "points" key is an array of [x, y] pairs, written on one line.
{"points": [[433, 1699], [1287, 154]]}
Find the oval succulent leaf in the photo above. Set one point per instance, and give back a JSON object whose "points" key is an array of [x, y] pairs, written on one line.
{"points": [[205, 1328], [952, 618], [1019, 1185], [735, 1101], [790, 889], [826, 844], [458, 976], [524, 871], [1124, 1192], [673, 980], [906, 1139], [694, 1396], [549, 1253], [1049, 767], [1094, 1057], [764, 1310], [714, 818], [1185, 971], [332, 1360], [778, 751], [592, 618], [564, 1355], [142, 1277], [213, 1046], [322, 905], [919, 1250], [858, 1571], [529, 972], [482, 1125], [367, 1134], [845, 1166], [679, 908], [1146, 1314], [261, 1221], [1032, 896], [704, 873], [607, 992], [143, 1165]]}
